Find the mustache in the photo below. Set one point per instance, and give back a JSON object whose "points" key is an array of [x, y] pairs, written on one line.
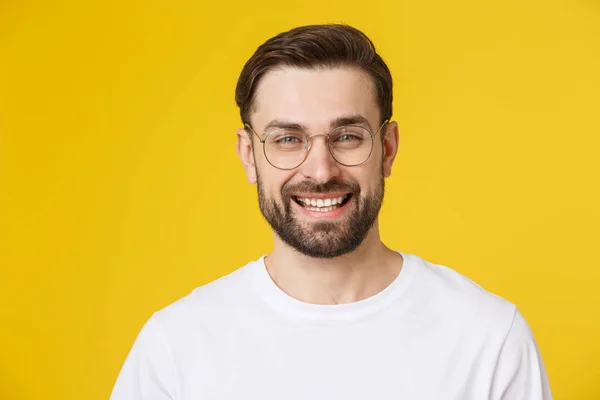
{"points": [[334, 185]]}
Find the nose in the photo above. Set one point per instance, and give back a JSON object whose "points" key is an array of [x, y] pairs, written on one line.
{"points": [[320, 166]]}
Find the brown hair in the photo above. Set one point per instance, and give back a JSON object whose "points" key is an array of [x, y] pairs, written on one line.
{"points": [[315, 46]]}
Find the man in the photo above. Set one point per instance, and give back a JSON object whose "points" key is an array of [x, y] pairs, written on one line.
{"points": [[331, 312]]}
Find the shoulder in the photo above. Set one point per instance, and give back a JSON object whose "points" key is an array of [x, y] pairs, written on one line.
{"points": [[490, 326], [210, 303], [449, 294]]}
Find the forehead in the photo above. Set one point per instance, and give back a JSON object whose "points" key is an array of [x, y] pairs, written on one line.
{"points": [[314, 97]]}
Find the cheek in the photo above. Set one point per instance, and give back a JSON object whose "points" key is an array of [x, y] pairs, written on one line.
{"points": [[368, 176], [273, 180]]}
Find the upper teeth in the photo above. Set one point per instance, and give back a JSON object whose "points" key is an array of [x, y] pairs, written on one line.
{"points": [[323, 202]]}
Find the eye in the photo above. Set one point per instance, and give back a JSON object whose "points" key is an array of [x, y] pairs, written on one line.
{"points": [[288, 140], [285, 141], [348, 137]]}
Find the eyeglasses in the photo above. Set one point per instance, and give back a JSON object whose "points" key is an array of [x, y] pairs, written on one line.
{"points": [[349, 145]]}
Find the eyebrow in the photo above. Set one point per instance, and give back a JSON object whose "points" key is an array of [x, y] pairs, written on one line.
{"points": [[336, 123], [350, 120]]}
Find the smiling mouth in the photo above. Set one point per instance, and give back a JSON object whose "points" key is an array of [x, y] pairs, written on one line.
{"points": [[322, 204]]}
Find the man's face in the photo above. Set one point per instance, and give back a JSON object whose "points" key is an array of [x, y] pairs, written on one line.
{"points": [[321, 208]]}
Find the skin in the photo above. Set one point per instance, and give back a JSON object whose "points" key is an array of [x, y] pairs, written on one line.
{"points": [[315, 98]]}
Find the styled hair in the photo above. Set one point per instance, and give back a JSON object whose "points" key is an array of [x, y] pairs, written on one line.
{"points": [[311, 47]]}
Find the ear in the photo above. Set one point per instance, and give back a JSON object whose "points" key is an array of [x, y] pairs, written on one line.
{"points": [[244, 150], [390, 147]]}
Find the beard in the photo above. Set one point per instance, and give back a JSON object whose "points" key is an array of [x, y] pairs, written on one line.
{"points": [[323, 239]]}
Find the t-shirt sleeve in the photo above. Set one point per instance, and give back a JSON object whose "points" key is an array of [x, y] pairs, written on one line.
{"points": [[148, 372], [520, 372]]}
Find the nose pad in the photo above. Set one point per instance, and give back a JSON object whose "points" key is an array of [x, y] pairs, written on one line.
{"points": [[309, 145], [320, 165]]}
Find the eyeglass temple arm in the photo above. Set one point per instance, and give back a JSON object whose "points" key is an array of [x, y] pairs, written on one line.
{"points": [[381, 127], [253, 131]]}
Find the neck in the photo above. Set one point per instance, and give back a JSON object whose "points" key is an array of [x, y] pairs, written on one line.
{"points": [[345, 279]]}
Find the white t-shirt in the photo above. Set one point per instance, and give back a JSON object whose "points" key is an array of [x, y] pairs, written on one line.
{"points": [[431, 334]]}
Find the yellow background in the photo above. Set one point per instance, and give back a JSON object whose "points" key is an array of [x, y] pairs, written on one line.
{"points": [[120, 189]]}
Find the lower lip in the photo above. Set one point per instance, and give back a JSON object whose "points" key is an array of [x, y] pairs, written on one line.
{"points": [[335, 213]]}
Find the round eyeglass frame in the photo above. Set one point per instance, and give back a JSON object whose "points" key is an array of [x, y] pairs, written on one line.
{"points": [[329, 146]]}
